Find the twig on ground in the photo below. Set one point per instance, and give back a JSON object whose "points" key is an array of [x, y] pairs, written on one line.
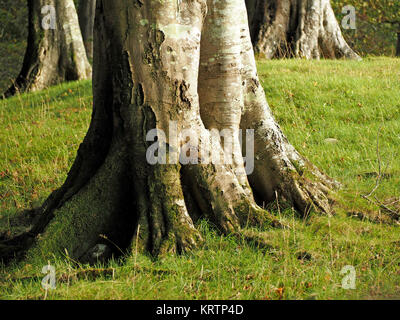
{"points": [[394, 214]]}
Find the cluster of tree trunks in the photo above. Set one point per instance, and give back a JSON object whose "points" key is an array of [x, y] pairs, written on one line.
{"points": [[191, 63], [279, 28], [296, 28]]}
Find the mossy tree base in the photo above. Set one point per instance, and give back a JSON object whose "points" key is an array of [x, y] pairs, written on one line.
{"points": [[147, 74]]}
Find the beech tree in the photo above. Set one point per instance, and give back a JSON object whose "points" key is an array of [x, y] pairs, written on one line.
{"points": [[191, 63], [55, 50], [296, 28], [86, 12]]}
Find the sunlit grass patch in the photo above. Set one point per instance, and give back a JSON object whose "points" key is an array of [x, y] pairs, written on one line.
{"points": [[332, 111]]}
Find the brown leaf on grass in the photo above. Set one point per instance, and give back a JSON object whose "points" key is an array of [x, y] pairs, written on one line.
{"points": [[279, 292], [328, 277]]}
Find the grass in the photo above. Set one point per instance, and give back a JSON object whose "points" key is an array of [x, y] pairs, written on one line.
{"points": [[357, 104], [350, 102]]}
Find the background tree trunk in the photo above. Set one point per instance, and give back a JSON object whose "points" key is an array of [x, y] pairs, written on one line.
{"points": [[86, 13], [52, 55], [191, 63], [398, 43], [296, 28]]}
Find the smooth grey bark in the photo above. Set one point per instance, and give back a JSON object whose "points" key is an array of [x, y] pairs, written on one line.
{"points": [[86, 13], [296, 28], [52, 55], [190, 62]]}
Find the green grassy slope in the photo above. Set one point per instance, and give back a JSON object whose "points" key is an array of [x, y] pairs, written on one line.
{"points": [[313, 101], [356, 103]]}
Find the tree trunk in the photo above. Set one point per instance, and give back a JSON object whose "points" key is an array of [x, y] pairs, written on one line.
{"points": [[86, 12], [55, 50], [398, 43], [296, 28], [189, 63]]}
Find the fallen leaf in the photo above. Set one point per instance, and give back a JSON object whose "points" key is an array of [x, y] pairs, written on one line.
{"points": [[279, 292]]}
